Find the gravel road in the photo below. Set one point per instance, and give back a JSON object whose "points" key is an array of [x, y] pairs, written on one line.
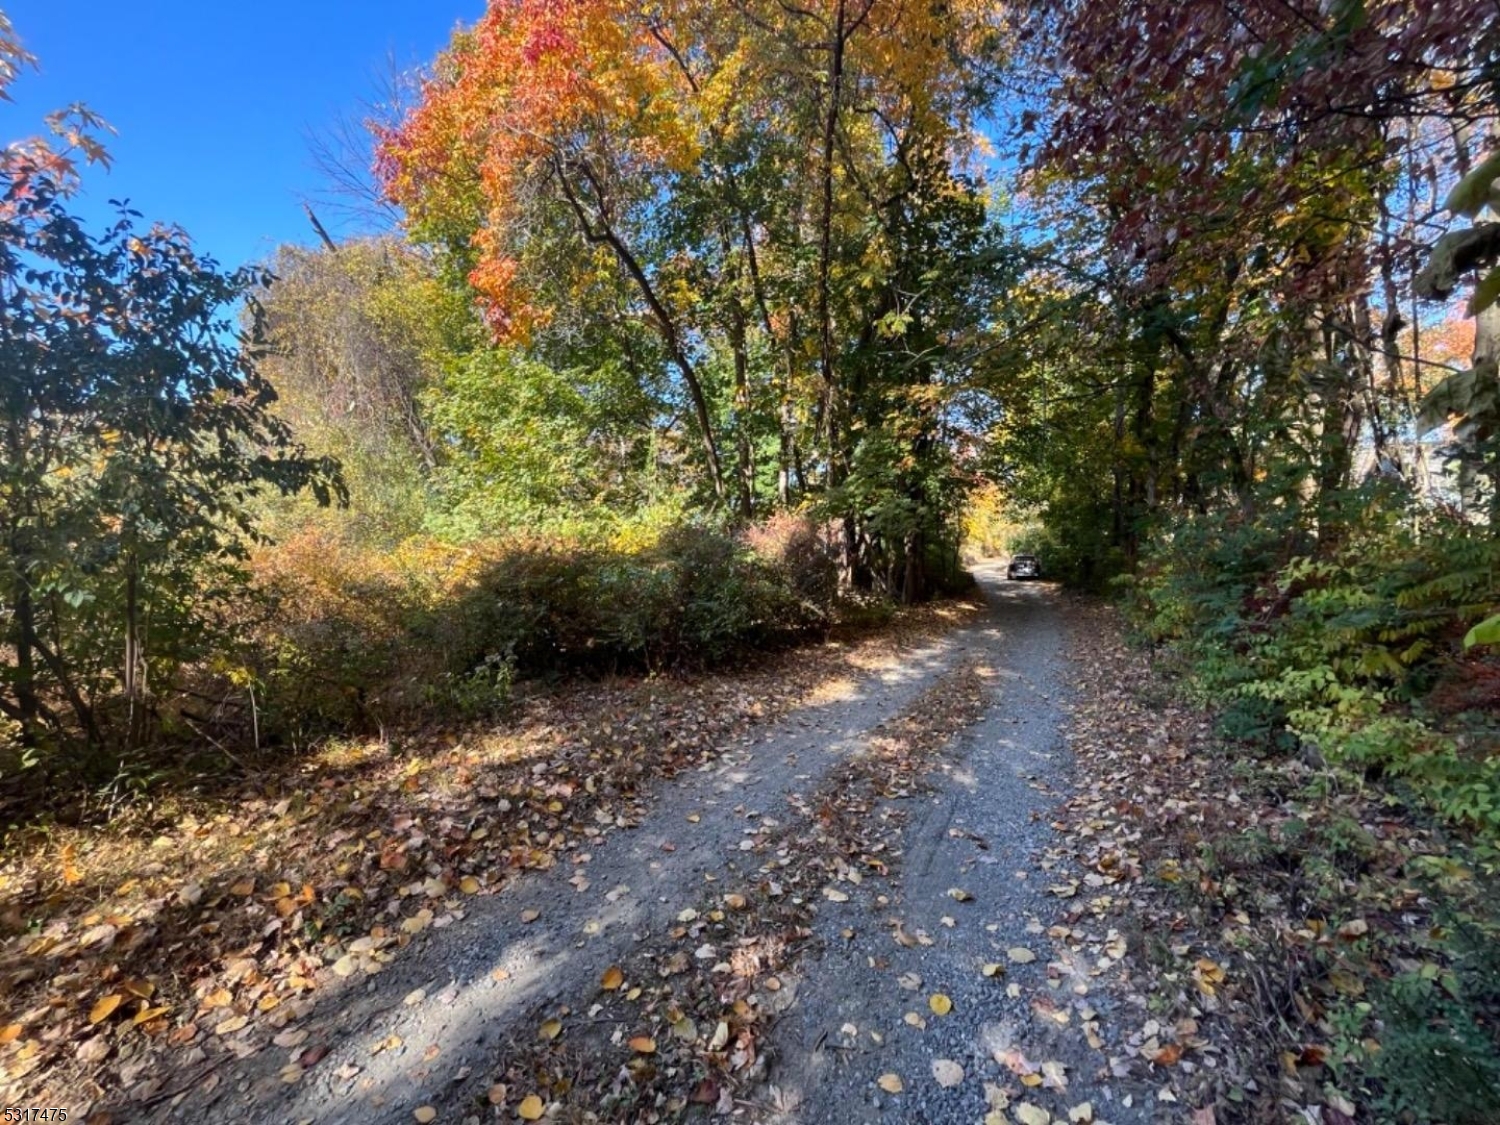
{"points": [[426, 1031], [980, 834]]}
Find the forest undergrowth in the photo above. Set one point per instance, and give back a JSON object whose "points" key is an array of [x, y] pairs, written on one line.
{"points": [[1316, 929]]}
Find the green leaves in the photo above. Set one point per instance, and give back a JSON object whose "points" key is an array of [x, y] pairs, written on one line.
{"points": [[1474, 393], [1476, 190], [1487, 632], [135, 430], [1485, 293]]}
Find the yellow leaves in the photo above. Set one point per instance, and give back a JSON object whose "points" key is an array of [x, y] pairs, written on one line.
{"points": [[1208, 974], [1020, 955], [531, 1108], [417, 922], [940, 1004], [469, 885], [105, 1007], [10, 1033], [890, 1083], [424, 1114], [549, 1030], [70, 873], [612, 979], [643, 1045]]}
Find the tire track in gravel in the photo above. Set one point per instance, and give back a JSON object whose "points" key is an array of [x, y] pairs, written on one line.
{"points": [[426, 1030], [978, 832]]}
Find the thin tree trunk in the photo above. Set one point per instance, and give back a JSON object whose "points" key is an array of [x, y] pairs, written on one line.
{"points": [[600, 232]]}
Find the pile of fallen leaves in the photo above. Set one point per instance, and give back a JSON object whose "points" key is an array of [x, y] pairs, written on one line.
{"points": [[147, 949], [688, 1017], [1266, 902]]}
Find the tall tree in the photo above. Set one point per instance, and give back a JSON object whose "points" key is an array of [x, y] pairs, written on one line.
{"points": [[135, 432]]}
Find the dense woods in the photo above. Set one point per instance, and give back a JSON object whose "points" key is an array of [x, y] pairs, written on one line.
{"points": [[691, 330]]}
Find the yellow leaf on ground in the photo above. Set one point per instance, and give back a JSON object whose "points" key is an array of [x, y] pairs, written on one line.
{"points": [[643, 1045], [550, 1029], [530, 1108], [148, 1014], [612, 979], [939, 1004], [469, 885], [890, 1083], [10, 1033], [105, 1007], [424, 1114]]}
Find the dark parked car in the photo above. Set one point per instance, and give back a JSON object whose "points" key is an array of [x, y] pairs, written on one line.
{"points": [[1024, 566]]}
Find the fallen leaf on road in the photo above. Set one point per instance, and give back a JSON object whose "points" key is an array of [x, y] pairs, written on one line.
{"points": [[890, 1083], [530, 1108], [1020, 955], [939, 1004], [612, 979], [947, 1072]]}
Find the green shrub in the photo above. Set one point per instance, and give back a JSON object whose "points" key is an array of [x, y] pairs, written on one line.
{"points": [[1336, 641]]}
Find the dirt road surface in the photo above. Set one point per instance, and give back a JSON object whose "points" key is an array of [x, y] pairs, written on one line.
{"points": [[856, 1015]]}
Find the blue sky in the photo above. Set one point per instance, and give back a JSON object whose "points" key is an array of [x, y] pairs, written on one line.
{"points": [[213, 99]]}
